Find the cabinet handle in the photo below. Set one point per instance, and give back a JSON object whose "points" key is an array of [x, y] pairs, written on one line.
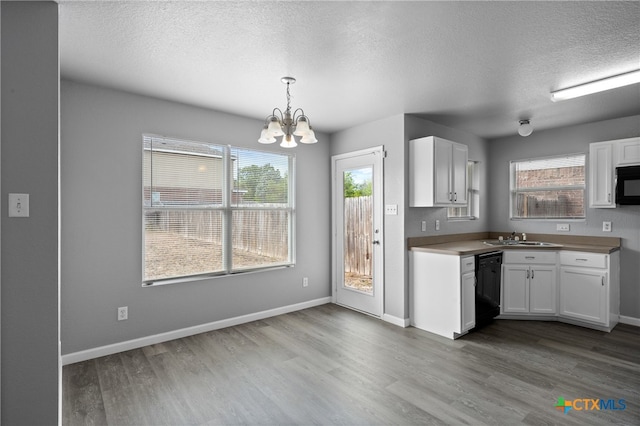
{"points": [[609, 198], [529, 257], [581, 260], [603, 281], [532, 274], [469, 263], [451, 196], [527, 274], [455, 196]]}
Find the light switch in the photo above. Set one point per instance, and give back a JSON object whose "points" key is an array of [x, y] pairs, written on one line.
{"points": [[391, 209], [606, 226], [18, 205]]}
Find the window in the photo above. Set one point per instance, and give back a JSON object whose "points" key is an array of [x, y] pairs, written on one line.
{"points": [[472, 209], [548, 188], [214, 209]]}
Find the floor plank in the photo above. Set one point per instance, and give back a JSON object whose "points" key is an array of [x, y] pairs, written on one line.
{"points": [[330, 365]]}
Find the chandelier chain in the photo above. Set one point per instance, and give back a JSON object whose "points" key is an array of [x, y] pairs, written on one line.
{"points": [[288, 99]]}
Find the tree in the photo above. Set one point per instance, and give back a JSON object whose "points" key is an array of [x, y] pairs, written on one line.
{"points": [[353, 189], [263, 184]]}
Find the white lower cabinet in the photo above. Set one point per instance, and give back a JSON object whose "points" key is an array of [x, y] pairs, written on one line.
{"points": [[529, 283], [468, 281], [442, 293], [584, 294], [590, 288]]}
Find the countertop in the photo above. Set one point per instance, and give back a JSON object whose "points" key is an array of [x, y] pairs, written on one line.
{"points": [[472, 244]]}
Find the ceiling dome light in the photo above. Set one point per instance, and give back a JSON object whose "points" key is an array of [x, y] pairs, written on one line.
{"points": [[287, 125], [525, 128]]}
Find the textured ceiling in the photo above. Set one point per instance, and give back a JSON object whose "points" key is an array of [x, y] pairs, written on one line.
{"points": [[477, 66]]}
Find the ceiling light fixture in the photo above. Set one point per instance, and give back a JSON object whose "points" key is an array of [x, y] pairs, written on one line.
{"points": [[287, 124], [608, 83], [525, 128]]}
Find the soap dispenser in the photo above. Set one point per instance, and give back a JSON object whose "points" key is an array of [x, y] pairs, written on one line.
{"points": [[524, 237]]}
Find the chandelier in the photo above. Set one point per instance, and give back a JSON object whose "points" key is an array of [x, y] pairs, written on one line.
{"points": [[287, 124]]}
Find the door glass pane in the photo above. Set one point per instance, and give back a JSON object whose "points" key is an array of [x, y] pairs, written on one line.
{"points": [[358, 229]]}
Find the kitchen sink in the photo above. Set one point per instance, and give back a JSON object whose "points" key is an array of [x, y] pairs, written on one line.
{"points": [[517, 243]]}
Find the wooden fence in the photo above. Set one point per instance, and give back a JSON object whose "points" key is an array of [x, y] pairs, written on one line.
{"points": [[358, 238], [262, 232], [568, 204], [265, 232]]}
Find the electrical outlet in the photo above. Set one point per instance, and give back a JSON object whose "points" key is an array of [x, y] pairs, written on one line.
{"points": [[305, 282], [563, 227], [437, 225], [424, 225], [123, 313], [391, 209], [606, 226]]}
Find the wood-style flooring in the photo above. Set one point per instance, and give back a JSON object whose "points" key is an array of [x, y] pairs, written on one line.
{"points": [[330, 365]]}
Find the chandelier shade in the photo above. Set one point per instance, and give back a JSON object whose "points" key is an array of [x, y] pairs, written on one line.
{"points": [[287, 124]]}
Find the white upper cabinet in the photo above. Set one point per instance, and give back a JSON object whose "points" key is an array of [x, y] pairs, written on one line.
{"points": [[604, 157], [628, 151], [460, 159], [437, 173], [601, 175]]}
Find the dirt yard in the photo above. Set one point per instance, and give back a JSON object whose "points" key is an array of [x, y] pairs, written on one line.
{"points": [[188, 256], [358, 282]]}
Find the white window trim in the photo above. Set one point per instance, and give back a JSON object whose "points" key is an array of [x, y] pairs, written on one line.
{"points": [[227, 208], [512, 190]]}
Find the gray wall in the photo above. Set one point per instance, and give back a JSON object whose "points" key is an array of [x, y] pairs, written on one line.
{"points": [[568, 140], [101, 175], [30, 369], [389, 133]]}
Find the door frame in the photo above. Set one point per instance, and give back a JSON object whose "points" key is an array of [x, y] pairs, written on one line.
{"points": [[378, 209]]}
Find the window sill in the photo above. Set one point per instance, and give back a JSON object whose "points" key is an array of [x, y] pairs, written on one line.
{"points": [[195, 278], [461, 219]]}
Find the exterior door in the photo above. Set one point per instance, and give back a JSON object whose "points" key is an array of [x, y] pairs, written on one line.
{"points": [[357, 230]]}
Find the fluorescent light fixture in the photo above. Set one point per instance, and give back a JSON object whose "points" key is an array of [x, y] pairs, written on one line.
{"points": [[597, 86]]}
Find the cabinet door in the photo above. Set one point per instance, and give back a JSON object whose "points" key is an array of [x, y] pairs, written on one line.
{"points": [[459, 178], [583, 294], [468, 283], [601, 175], [629, 151], [515, 289], [542, 290], [442, 172]]}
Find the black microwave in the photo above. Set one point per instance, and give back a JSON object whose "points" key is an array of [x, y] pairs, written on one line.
{"points": [[628, 185]]}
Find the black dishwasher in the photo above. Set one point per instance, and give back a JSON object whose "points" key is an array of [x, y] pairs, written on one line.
{"points": [[488, 272]]}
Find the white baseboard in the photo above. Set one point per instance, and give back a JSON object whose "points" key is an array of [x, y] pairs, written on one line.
{"points": [[629, 320], [400, 322], [185, 332]]}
